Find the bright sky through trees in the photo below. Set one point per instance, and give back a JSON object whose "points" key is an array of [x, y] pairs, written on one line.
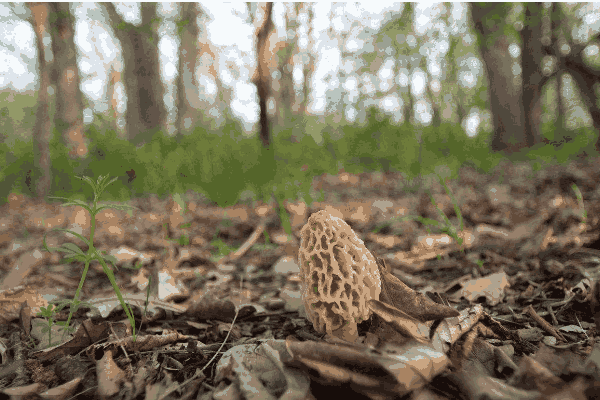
{"points": [[233, 36], [227, 29]]}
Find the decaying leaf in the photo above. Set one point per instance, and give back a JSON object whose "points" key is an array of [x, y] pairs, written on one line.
{"points": [[401, 312], [391, 371]]}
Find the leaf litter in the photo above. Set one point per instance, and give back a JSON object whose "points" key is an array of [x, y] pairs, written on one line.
{"points": [[499, 299]]}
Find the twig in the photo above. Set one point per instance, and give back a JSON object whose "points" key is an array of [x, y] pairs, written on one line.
{"points": [[244, 248], [544, 324]]}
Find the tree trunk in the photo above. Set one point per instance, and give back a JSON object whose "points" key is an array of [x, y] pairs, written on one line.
{"points": [[505, 93], [188, 100], [146, 110], [43, 126], [573, 64], [285, 55], [453, 81], [262, 80], [586, 78], [308, 67], [114, 77], [533, 79], [68, 117]]}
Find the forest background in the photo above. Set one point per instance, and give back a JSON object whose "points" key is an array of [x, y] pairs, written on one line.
{"points": [[251, 101]]}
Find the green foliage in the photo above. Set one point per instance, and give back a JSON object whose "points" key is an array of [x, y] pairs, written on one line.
{"points": [[216, 165], [563, 145], [112, 154], [224, 163], [18, 168]]}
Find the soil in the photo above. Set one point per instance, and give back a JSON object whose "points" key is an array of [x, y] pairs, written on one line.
{"points": [[217, 292]]}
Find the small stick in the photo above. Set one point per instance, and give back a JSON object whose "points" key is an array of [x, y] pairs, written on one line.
{"points": [[544, 324], [244, 248]]}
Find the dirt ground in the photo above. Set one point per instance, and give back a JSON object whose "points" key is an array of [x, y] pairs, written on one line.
{"points": [[506, 306]]}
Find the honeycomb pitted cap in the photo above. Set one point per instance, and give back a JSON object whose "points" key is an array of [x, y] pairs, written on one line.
{"points": [[339, 274]]}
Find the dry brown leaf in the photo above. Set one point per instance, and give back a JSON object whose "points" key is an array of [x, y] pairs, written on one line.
{"points": [[110, 376], [391, 371], [402, 323], [258, 371], [401, 312], [395, 293], [492, 287]]}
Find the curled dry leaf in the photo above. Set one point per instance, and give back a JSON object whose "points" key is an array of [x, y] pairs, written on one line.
{"points": [[395, 293], [401, 312], [259, 370], [401, 322], [595, 304], [392, 371]]}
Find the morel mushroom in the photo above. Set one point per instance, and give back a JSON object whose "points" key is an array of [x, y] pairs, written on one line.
{"points": [[339, 275]]}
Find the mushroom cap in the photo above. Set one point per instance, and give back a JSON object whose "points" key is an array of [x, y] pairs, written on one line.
{"points": [[339, 274]]}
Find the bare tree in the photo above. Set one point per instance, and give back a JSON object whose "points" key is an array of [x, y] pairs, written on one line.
{"points": [[572, 62], [68, 117], [146, 110], [533, 78], [43, 125], [261, 78], [505, 91], [211, 112], [187, 84], [285, 54], [308, 64]]}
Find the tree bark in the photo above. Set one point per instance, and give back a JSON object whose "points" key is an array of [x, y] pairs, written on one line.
{"points": [[285, 55], [43, 126], [505, 93], [262, 80], [533, 79], [146, 111], [585, 76], [68, 117], [187, 84], [308, 67]]}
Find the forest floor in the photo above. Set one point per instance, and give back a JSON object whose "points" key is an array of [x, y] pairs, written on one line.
{"points": [[223, 316]]}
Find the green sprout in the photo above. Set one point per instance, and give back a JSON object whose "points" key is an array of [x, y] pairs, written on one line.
{"points": [[74, 253], [443, 226], [50, 312], [580, 202]]}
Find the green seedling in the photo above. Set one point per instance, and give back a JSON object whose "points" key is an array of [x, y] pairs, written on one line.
{"points": [[48, 313], [285, 219], [580, 202], [223, 249], [53, 309], [447, 226], [267, 245], [74, 253], [184, 240], [442, 226]]}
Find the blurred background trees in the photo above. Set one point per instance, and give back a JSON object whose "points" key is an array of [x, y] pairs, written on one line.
{"points": [[386, 87]]}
